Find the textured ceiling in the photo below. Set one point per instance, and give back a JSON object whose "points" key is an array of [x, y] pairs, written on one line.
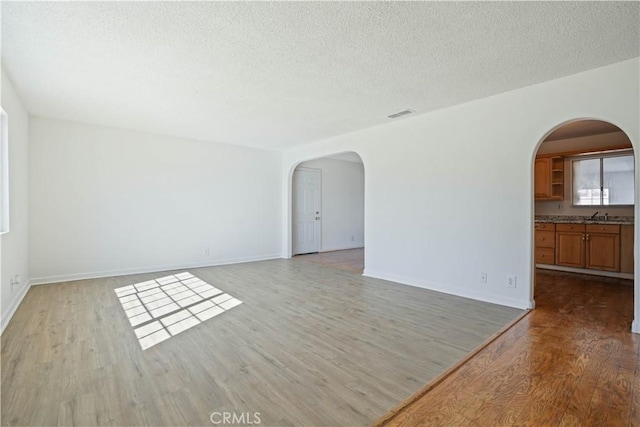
{"points": [[275, 75]]}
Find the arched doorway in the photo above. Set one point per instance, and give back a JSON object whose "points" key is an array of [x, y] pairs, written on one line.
{"points": [[584, 204], [327, 209]]}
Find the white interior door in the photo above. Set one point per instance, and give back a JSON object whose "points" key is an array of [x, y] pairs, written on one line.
{"points": [[306, 211]]}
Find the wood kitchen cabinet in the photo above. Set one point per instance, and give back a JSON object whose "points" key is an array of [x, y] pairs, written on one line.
{"points": [[570, 245], [603, 247], [592, 246], [626, 248], [545, 243], [549, 178]]}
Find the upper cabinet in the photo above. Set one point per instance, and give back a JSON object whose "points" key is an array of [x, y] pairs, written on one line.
{"points": [[549, 178]]}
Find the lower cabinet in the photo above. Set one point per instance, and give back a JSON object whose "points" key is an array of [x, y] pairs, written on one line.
{"points": [[545, 239], [570, 245], [592, 246], [603, 247], [606, 247], [626, 248]]}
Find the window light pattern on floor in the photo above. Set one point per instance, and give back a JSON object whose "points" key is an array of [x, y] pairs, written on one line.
{"points": [[161, 308]]}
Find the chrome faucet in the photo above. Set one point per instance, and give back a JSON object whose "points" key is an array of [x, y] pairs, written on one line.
{"points": [[594, 215]]}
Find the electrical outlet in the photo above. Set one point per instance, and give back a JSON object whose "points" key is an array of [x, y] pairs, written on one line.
{"points": [[353, 238], [206, 252], [511, 281], [483, 277], [559, 206]]}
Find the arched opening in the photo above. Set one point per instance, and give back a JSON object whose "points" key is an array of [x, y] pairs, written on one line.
{"points": [[327, 211], [584, 204]]}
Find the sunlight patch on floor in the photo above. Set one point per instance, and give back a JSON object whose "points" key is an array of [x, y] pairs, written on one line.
{"points": [[161, 308]]}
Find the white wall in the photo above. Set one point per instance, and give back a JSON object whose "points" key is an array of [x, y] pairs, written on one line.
{"points": [[564, 207], [105, 201], [342, 203], [14, 252], [449, 194]]}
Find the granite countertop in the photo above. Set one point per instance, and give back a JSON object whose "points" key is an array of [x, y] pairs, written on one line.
{"points": [[576, 219]]}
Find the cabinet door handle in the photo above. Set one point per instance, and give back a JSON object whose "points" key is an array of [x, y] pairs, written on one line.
{"points": [[583, 237], [587, 237]]}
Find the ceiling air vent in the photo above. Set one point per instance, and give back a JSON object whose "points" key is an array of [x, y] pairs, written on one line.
{"points": [[401, 113]]}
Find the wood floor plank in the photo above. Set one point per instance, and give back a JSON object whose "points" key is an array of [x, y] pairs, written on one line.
{"points": [[311, 344]]}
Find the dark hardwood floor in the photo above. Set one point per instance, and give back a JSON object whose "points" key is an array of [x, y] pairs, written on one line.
{"points": [[571, 362]]}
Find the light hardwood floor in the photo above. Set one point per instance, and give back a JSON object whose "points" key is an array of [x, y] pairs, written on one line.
{"points": [[310, 345], [570, 362]]}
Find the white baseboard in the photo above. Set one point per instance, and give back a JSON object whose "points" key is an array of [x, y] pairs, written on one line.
{"points": [[438, 287], [149, 269], [7, 315]]}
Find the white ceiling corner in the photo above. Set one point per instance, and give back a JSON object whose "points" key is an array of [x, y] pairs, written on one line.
{"points": [[278, 74]]}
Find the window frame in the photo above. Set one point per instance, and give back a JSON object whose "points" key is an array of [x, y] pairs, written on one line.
{"points": [[601, 155]]}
